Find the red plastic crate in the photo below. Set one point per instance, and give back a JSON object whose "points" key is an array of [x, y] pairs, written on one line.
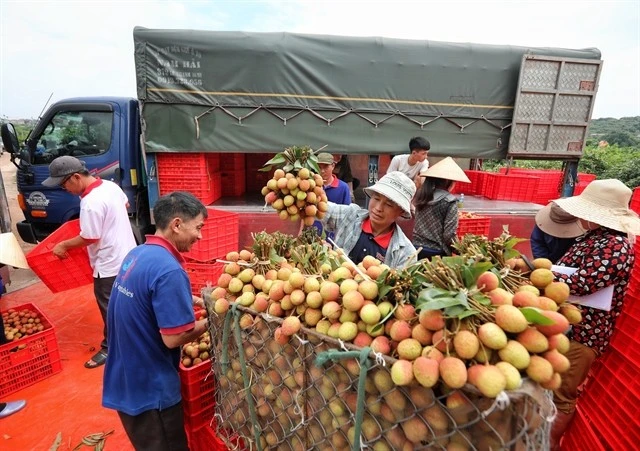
{"points": [[30, 359], [635, 201], [233, 184], [207, 188], [232, 162], [206, 439], [191, 164], [627, 342], [610, 400], [60, 275], [475, 226], [473, 188], [585, 177], [219, 236], [521, 188], [579, 187], [197, 386], [580, 435], [203, 274]]}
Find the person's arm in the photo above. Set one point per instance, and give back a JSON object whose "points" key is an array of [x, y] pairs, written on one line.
{"points": [[538, 244], [60, 249], [589, 278], [175, 340]]}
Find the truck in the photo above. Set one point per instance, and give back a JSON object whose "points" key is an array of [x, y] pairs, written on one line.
{"points": [[252, 94]]}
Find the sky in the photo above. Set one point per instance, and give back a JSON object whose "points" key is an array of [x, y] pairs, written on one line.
{"points": [[85, 48]]}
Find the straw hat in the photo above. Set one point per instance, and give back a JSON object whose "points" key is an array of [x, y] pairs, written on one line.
{"points": [[606, 203], [396, 187], [446, 169], [10, 252], [554, 221]]}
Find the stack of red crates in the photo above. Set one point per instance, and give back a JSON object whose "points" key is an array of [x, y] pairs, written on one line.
{"points": [[476, 187], [220, 235], [476, 225], [519, 188], [195, 172], [233, 174], [548, 186], [609, 402], [31, 358]]}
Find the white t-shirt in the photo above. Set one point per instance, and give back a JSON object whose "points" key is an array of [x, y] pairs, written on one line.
{"points": [[401, 163], [103, 216]]}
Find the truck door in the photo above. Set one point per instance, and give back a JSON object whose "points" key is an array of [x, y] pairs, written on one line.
{"points": [[553, 107], [85, 131]]}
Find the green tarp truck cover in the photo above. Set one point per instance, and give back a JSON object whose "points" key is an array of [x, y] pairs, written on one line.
{"points": [[261, 92]]}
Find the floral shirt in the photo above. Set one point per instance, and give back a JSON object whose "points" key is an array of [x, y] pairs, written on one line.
{"points": [[604, 257]]}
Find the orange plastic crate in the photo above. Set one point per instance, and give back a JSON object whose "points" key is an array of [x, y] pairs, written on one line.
{"points": [[30, 359], [520, 188], [580, 435], [219, 236], [60, 275], [475, 226], [202, 275]]}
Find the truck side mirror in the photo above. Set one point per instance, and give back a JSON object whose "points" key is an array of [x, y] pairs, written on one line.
{"points": [[10, 138]]}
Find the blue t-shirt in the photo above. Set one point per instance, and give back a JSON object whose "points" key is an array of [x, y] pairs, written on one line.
{"points": [[151, 292], [544, 245], [338, 193]]}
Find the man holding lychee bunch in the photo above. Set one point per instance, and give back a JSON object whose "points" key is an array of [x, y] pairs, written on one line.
{"points": [[373, 231]]}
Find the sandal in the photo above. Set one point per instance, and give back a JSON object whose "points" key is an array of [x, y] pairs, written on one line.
{"points": [[97, 360]]}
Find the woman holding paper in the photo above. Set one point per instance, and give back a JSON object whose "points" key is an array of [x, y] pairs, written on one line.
{"points": [[603, 257]]}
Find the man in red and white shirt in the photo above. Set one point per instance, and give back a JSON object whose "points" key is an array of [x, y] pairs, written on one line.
{"points": [[104, 230]]}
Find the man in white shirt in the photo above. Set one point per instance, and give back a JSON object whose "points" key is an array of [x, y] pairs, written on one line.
{"points": [[104, 230], [415, 162]]}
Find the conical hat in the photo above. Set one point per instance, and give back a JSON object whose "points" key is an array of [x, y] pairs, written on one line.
{"points": [[446, 169], [10, 252]]}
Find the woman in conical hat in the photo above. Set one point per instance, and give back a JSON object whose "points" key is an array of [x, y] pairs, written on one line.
{"points": [[436, 219], [604, 256]]}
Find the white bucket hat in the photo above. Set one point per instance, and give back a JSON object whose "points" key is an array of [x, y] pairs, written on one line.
{"points": [[10, 251], [606, 203], [446, 169], [396, 187]]}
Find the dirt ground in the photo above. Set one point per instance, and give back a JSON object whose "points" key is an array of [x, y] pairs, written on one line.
{"points": [[20, 278]]}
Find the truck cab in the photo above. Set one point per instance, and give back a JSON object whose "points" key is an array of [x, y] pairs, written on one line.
{"points": [[104, 132]]}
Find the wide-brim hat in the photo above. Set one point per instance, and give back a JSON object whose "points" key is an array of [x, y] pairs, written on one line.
{"points": [[606, 203], [10, 251], [554, 221], [446, 169], [396, 187]]}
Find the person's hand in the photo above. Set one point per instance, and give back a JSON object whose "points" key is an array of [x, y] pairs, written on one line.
{"points": [[60, 251], [197, 300]]}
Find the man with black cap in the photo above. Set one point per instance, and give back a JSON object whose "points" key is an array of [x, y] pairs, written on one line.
{"points": [[104, 230]]}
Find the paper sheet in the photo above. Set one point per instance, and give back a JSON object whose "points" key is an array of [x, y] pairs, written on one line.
{"points": [[601, 299]]}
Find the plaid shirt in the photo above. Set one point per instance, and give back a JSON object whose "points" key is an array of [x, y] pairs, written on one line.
{"points": [[346, 221], [436, 225]]}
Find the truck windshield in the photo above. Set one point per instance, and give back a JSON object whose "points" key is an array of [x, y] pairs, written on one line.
{"points": [[75, 133]]}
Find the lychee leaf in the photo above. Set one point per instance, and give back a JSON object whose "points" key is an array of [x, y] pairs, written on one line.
{"points": [[462, 298], [276, 160], [534, 316], [438, 304]]}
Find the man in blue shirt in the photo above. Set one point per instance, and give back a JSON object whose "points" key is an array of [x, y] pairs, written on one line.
{"points": [[337, 191], [150, 316], [554, 232]]}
